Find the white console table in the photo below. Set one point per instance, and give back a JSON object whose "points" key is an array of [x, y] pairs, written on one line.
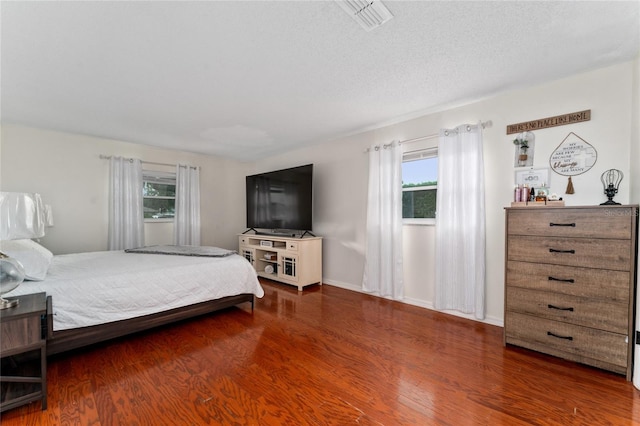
{"points": [[291, 260]]}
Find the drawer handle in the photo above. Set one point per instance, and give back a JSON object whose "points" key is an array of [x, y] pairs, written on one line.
{"points": [[558, 336], [560, 309], [570, 280], [573, 225], [561, 251]]}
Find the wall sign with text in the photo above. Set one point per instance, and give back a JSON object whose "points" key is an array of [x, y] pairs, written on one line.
{"points": [[543, 123], [573, 156]]}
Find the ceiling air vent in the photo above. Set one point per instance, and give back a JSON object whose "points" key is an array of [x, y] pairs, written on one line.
{"points": [[369, 14]]}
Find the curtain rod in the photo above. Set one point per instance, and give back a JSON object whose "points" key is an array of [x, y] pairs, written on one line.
{"points": [[484, 124], [421, 138], [108, 157]]}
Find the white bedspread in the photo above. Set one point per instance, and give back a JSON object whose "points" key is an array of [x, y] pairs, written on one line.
{"points": [[98, 287]]}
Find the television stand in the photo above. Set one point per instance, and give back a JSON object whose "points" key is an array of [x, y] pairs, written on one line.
{"points": [[290, 260]]}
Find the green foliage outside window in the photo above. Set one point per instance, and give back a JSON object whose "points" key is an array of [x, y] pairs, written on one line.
{"points": [[419, 203], [159, 200], [419, 186], [153, 189]]}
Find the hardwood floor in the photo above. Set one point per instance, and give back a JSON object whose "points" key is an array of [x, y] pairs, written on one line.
{"points": [[326, 356]]}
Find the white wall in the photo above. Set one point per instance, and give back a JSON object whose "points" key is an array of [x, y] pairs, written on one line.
{"points": [[67, 171], [634, 177], [341, 173], [635, 192]]}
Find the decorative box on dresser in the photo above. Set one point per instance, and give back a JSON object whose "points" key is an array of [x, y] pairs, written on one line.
{"points": [[570, 279]]}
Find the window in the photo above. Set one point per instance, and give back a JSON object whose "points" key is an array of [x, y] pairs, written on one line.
{"points": [[159, 196], [419, 186]]}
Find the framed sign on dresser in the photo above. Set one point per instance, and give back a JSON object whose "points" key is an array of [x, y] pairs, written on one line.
{"points": [[570, 281]]}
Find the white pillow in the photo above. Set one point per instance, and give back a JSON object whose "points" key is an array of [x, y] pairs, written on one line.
{"points": [[35, 258]]}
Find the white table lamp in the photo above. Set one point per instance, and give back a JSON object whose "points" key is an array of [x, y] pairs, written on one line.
{"points": [[22, 216]]}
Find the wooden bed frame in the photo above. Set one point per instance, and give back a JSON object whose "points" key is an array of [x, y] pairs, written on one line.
{"points": [[66, 340]]}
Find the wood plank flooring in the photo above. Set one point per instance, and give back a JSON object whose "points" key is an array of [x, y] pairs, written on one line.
{"points": [[326, 356]]}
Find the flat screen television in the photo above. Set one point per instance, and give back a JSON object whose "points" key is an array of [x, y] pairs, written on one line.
{"points": [[281, 201]]}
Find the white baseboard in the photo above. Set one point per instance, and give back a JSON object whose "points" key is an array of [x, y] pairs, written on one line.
{"points": [[340, 284], [428, 305], [420, 303]]}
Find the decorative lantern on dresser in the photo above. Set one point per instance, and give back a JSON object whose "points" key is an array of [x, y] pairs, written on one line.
{"points": [[570, 278]]}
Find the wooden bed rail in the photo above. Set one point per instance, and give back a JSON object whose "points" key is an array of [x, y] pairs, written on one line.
{"points": [[66, 340]]}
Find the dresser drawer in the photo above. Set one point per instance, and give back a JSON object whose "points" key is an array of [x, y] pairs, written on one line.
{"points": [[601, 314], [582, 344], [584, 282], [602, 222], [584, 252]]}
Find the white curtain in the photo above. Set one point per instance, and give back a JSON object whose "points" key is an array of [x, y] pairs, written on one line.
{"points": [[460, 223], [186, 229], [383, 251], [126, 221]]}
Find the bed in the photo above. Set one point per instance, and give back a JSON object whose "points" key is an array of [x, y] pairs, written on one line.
{"points": [[97, 296]]}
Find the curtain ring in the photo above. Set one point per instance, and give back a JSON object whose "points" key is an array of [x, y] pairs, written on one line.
{"points": [[468, 128], [377, 148], [446, 133]]}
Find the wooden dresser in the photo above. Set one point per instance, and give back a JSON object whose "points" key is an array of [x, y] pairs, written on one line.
{"points": [[570, 280]]}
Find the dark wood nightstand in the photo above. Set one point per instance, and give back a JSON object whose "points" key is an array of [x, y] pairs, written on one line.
{"points": [[23, 352]]}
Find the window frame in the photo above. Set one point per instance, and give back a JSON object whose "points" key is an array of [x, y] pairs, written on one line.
{"points": [[160, 177], [416, 155]]}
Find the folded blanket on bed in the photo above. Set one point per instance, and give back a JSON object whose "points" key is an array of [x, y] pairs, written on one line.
{"points": [[203, 251]]}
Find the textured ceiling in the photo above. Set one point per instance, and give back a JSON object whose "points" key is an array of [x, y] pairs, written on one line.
{"points": [[246, 80]]}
